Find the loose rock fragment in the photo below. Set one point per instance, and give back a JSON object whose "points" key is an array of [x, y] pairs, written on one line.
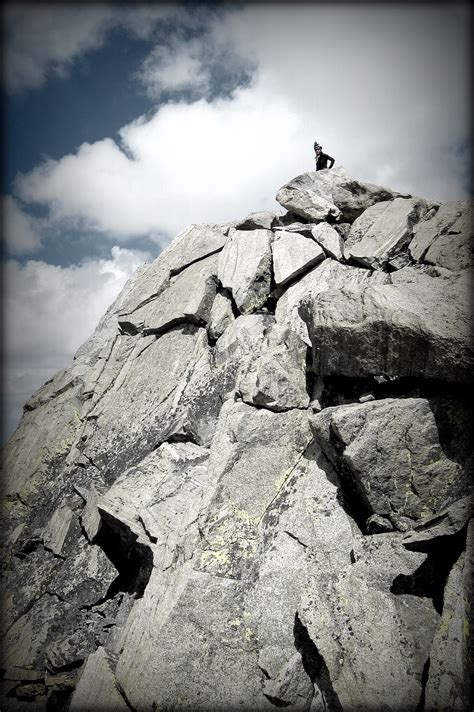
{"points": [[245, 268], [383, 231], [329, 239], [293, 254]]}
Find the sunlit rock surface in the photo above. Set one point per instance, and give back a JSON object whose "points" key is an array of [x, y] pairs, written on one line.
{"points": [[251, 487]]}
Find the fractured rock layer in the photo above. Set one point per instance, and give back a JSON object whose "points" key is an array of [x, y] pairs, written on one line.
{"points": [[250, 489]]}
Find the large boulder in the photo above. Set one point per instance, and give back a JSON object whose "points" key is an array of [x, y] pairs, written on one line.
{"points": [[221, 315], [263, 362], [97, 686], [245, 268], [444, 237], [154, 503], [421, 329], [163, 388], [188, 298], [448, 681], [293, 254], [262, 219], [329, 239], [330, 274], [331, 195], [374, 656], [383, 231], [388, 453], [276, 378]]}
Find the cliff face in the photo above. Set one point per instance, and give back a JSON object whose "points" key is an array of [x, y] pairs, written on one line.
{"points": [[250, 488]]}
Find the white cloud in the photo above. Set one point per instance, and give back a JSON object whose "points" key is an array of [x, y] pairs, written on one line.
{"points": [[141, 19], [49, 311], [370, 84], [188, 163], [196, 66], [20, 232], [41, 39], [178, 67]]}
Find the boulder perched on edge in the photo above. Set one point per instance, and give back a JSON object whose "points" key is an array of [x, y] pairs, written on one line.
{"points": [[330, 195]]}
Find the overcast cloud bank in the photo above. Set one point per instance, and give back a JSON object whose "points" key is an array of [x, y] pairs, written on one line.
{"points": [[48, 312]]}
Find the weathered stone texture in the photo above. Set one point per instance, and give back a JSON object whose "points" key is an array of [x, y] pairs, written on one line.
{"points": [[383, 231], [330, 195], [390, 452], [245, 268], [330, 274], [419, 329], [329, 239], [251, 488], [293, 254], [444, 237], [188, 298]]}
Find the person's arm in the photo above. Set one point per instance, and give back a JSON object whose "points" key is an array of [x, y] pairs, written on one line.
{"points": [[332, 161]]}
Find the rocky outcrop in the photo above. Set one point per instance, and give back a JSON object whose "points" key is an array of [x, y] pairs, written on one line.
{"points": [[444, 237], [420, 328], [251, 488], [245, 268], [293, 254], [380, 234], [330, 195]]}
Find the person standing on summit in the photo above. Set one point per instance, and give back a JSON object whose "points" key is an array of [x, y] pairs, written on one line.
{"points": [[321, 158]]}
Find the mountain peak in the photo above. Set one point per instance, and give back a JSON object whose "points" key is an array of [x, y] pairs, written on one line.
{"points": [[250, 487]]}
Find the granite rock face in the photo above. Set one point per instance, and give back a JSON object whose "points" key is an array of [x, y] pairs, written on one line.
{"points": [[444, 237], [330, 194], [251, 488], [421, 328], [383, 231], [293, 254], [245, 268]]}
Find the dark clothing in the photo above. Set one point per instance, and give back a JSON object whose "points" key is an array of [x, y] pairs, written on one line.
{"points": [[322, 161]]}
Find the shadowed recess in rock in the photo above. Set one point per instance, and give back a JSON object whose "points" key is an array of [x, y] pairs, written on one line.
{"points": [[133, 560], [58, 700], [315, 666], [424, 679], [429, 579]]}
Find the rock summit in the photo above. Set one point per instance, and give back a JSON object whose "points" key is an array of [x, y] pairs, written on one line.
{"points": [[250, 488]]}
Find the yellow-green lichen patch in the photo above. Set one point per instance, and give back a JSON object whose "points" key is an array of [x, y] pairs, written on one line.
{"points": [[215, 561], [72, 429]]}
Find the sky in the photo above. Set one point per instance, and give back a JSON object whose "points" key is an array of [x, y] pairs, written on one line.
{"points": [[122, 124]]}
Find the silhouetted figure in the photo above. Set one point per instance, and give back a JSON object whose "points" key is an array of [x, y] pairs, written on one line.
{"points": [[322, 159]]}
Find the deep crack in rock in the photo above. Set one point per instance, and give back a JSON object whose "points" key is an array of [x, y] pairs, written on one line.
{"points": [[315, 666]]}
